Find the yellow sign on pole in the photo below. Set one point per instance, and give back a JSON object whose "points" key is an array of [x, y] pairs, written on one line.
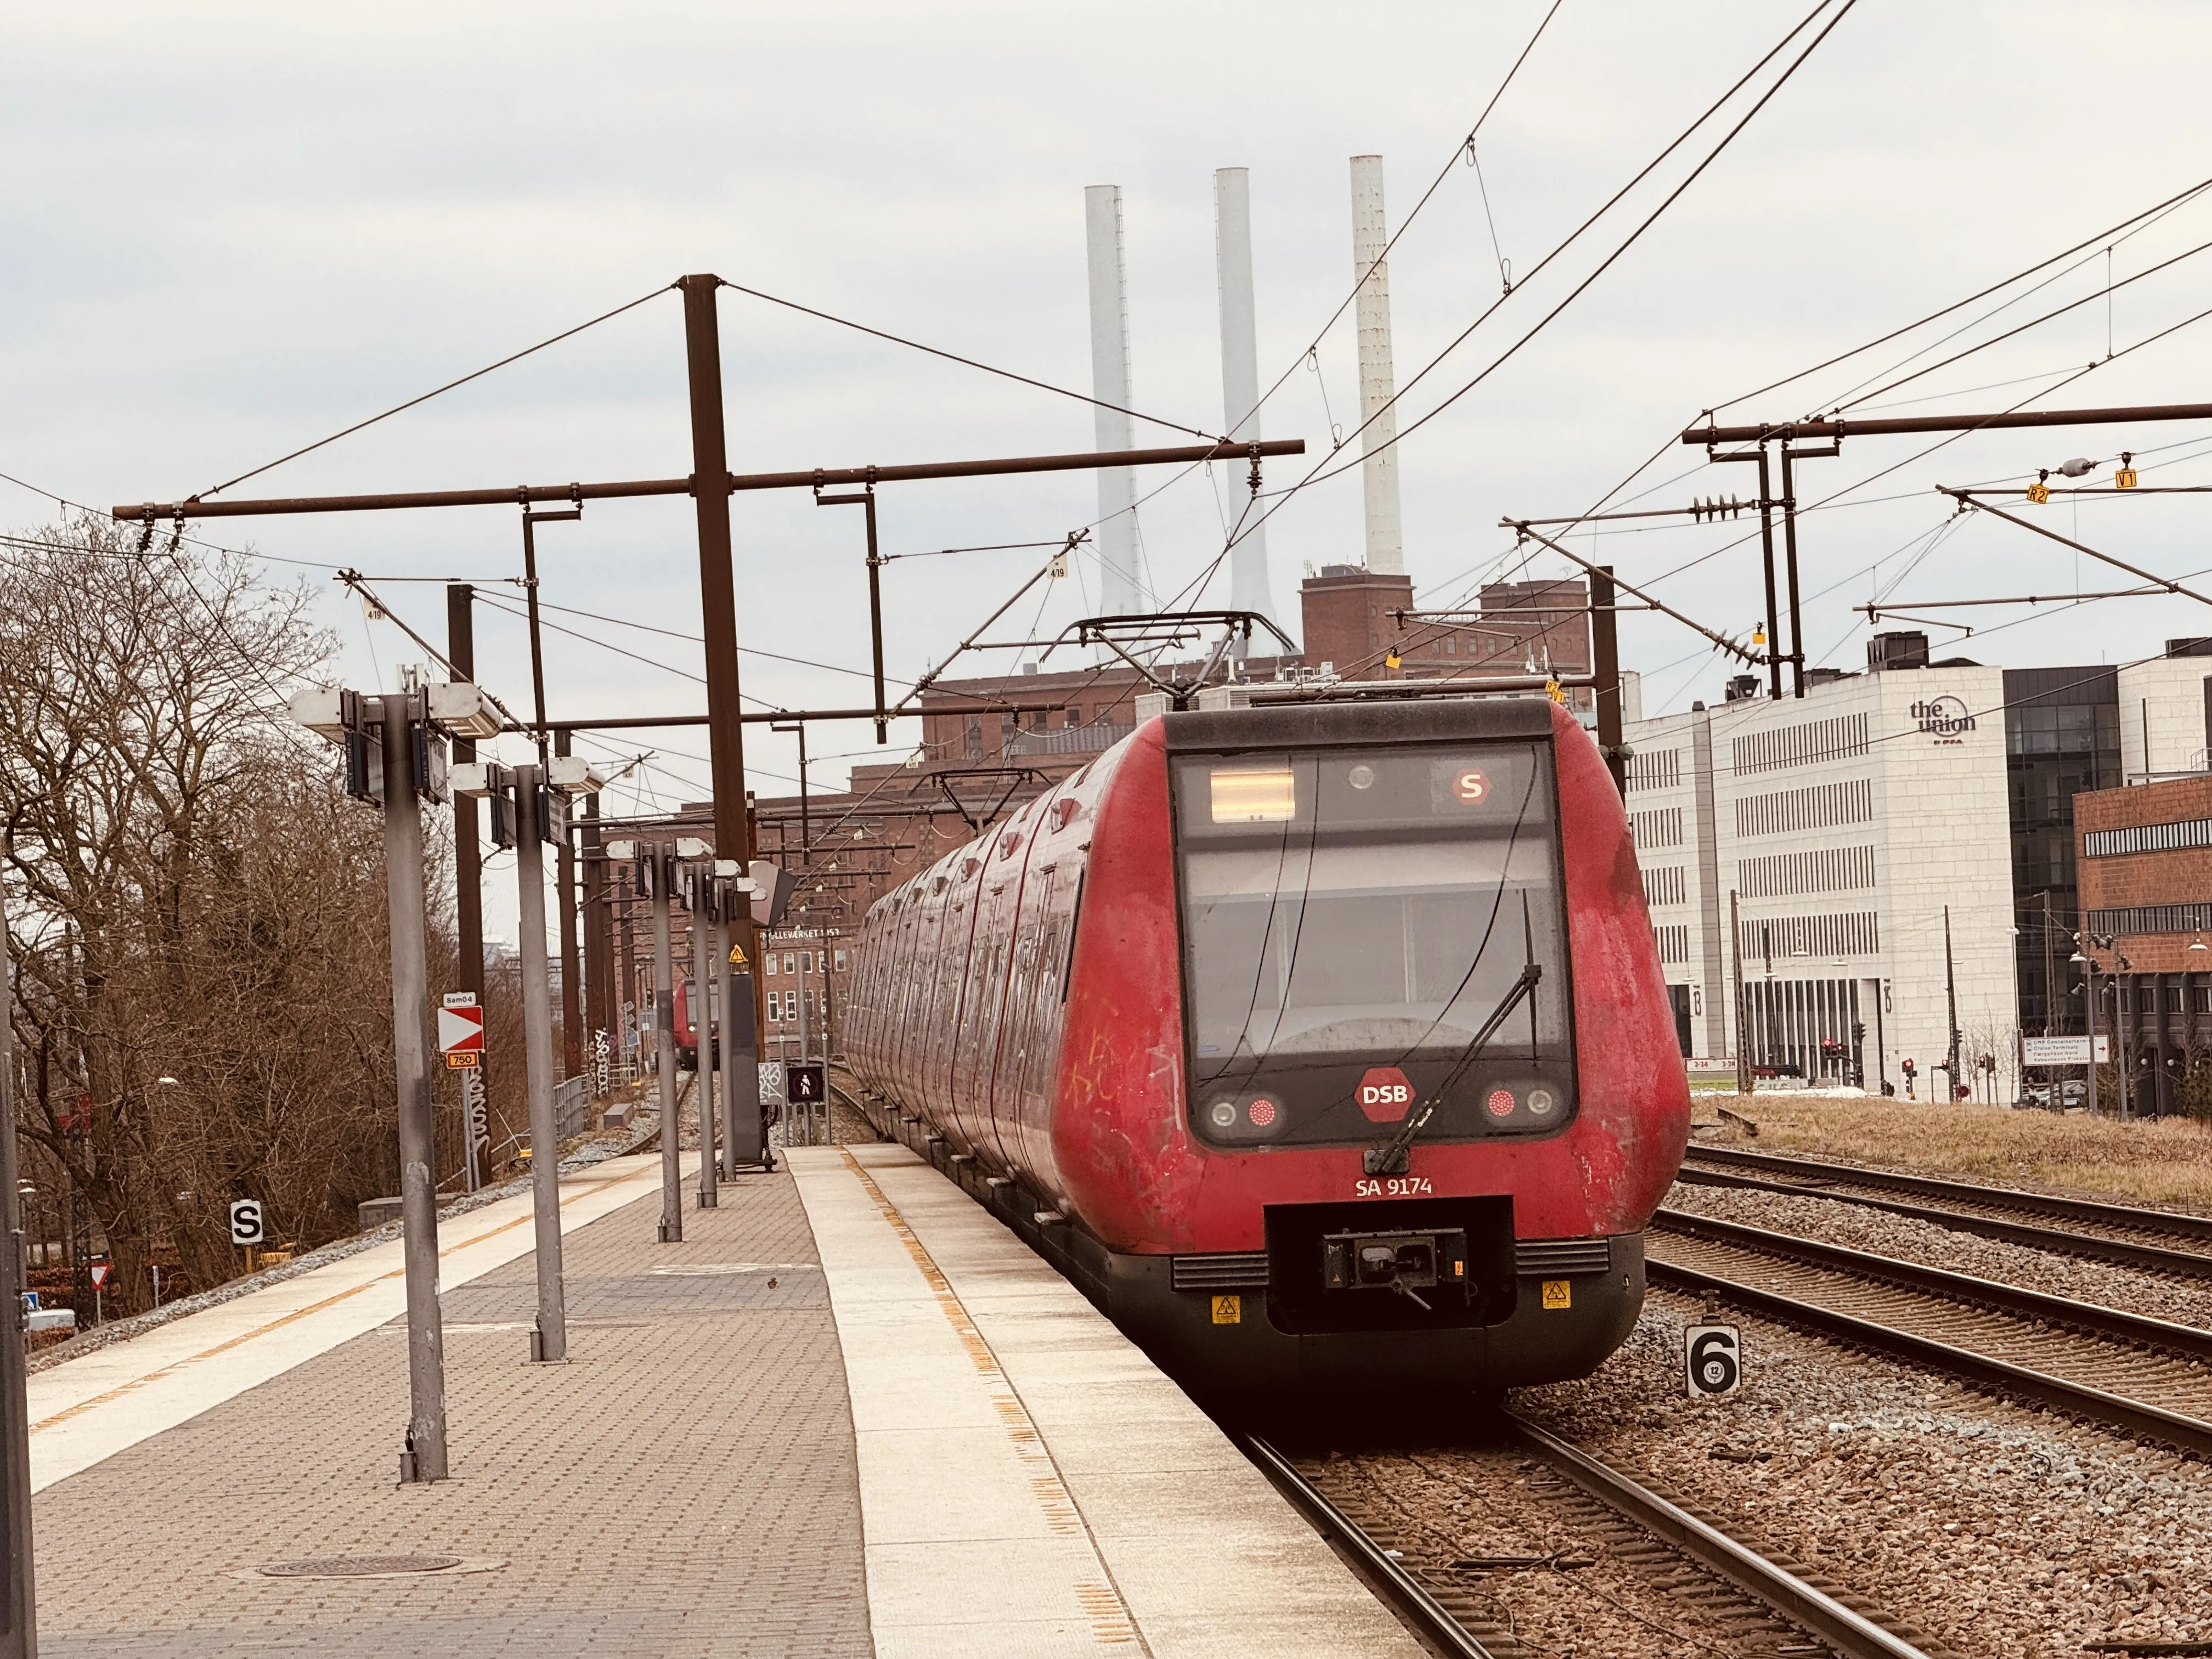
{"points": [[2038, 493], [737, 956]]}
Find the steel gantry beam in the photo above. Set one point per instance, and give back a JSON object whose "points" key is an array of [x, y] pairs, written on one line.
{"points": [[1842, 427], [817, 478]]}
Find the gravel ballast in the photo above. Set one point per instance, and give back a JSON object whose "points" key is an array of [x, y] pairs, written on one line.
{"points": [[2185, 1302], [2000, 1530]]}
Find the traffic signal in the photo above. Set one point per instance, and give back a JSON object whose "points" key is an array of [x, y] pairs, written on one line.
{"points": [[1858, 1030]]}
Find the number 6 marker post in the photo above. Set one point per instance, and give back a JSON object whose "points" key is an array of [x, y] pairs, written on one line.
{"points": [[1712, 1360]]}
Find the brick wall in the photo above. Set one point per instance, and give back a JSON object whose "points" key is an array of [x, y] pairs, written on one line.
{"points": [[2181, 877]]}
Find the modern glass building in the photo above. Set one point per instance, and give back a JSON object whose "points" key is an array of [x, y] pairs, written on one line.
{"points": [[2061, 739]]}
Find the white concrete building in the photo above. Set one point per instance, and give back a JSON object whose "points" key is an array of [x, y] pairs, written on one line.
{"points": [[1835, 828]]}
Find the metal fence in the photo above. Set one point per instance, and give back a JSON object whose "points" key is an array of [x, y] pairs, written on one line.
{"points": [[571, 1098], [1067, 740]]}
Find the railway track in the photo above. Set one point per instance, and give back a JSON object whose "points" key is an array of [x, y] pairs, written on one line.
{"points": [[1560, 1534], [2159, 1241], [2146, 1377]]}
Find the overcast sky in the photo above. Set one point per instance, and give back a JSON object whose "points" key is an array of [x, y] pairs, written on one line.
{"points": [[232, 228]]}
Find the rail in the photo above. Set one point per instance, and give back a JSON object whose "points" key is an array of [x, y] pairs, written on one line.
{"points": [[1983, 1370], [2047, 1204], [1405, 1595], [2156, 1258], [1813, 1611]]}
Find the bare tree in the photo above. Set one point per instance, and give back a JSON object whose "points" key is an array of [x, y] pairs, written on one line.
{"points": [[196, 908]]}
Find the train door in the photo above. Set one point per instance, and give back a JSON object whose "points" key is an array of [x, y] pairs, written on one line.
{"points": [[1021, 923]]}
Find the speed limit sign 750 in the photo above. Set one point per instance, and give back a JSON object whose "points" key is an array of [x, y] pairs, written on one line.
{"points": [[1712, 1360]]}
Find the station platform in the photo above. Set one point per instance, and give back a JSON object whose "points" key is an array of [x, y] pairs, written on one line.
{"points": [[849, 1415]]}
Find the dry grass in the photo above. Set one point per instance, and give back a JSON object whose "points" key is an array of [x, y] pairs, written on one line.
{"points": [[2162, 1163]]}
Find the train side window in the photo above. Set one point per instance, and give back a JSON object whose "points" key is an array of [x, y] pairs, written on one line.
{"points": [[1074, 921]]}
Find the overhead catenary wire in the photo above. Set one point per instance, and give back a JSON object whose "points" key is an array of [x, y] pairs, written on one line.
{"points": [[1323, 470], [1309, 354], [2175, 200], [2034, 322], [412, 403], [971, 362], [2159, 209]]}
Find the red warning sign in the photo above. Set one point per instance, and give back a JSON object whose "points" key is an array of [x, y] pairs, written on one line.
{"points": [[460, 1031], [1385, 1095]]}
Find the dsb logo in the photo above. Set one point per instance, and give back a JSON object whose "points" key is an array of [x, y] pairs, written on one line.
{"points": [[1385, 1094]]}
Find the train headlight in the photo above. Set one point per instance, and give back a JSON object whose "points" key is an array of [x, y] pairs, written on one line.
{"points": [[1223, 1113], [1361, 777], [1540, 1102]]}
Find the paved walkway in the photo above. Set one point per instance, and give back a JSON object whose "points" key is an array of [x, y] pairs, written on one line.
{"points": [[685, 1485], [1031, 1484], [692, 1482]]}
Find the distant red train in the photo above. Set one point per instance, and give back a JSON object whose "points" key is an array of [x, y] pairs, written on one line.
{"points": [[1324, 1046]]}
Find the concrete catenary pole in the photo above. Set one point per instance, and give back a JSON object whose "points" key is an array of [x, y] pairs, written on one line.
{"points": [[572, 969], [1120, 591], [424, 1458], [1378, 471], [727, 1043], [1743, 1079], [468, 866], [702, 1004], [18, 1624], [1249, 588], [748, 1139], [664, 1023], [550, 1341]]}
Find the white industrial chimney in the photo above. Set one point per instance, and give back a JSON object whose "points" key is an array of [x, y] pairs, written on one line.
{"points": [[1120, 590], [1240, 372], [1379, 470]]}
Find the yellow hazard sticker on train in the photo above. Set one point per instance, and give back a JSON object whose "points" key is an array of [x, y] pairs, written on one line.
{"points": [[1228, 1310], [1558, 1293]]}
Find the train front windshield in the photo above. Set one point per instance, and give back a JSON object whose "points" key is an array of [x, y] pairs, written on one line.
{"points": [[1353, 920]]}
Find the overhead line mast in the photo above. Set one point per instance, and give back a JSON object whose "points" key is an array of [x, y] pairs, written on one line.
{"points": [[1834, 429]]}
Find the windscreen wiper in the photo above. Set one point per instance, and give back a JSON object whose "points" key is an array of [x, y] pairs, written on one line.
{"points": [[1391, 1156]]}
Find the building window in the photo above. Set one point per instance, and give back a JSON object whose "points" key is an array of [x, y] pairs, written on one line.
{"points": [[2153, 919], [788, 961], [1665, 885], [2147, 838], [768, 958], [1817, 806], [776, 1004], [1658, 768], [1805, 745], [1783, 875], [1853, 934], [1659, 828], [974, 734], [841, 962]]}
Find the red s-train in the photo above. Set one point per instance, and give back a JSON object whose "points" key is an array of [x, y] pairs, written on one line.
{"points": [[1322, 1045]]}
